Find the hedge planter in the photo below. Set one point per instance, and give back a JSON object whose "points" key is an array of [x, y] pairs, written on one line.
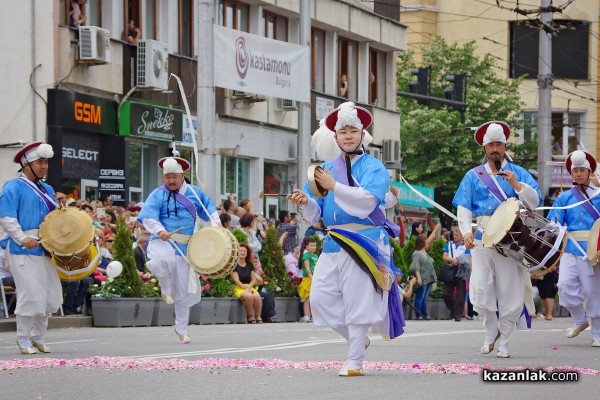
{"points": [[211, 310], [164, 314], [287, 309], [123, 312]]}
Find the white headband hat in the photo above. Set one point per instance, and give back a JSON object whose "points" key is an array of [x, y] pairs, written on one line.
{"points": [[324, 144], [579, 159], [171, 166], [348, 116], [494, 133], [44, 150]]}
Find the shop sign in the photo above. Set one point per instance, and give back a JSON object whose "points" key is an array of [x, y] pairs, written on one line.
{"points": [[80, 155], [408, 197], [150, 122], [111, 174], [81, 112]]}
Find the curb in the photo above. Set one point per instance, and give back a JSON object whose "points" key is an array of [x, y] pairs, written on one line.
{"points": [[69, 321]]}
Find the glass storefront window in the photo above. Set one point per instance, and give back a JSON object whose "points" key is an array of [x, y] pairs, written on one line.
{"points": [[276, 181], [143, 169], [234, 177]]}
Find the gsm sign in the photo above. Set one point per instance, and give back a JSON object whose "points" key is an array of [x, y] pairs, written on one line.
{"points": [[88, 113]]}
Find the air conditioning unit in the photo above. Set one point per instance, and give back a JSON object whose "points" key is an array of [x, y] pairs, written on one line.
{"points": [[94, 45], [152, 65], [391, 150], [286, 104], [375, 152], [240, 95]]}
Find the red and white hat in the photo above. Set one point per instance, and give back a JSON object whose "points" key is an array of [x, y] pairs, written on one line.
{"points": [[493, 131], [581, 159], [348, 114], [33, 152], [173, 165]]}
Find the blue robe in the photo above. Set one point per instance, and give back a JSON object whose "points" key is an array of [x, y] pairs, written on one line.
{"points": [[19, 201]]}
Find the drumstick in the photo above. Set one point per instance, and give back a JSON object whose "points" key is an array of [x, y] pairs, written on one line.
{"points": [[176, 230], [491, 173], [262, 195]]}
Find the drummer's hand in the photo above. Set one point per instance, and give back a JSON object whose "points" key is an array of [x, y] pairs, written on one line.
{"points": [[395, 191], [469, 241], [511, 179], [325, 179], [164, 235], [29, 243], [298, 197]]}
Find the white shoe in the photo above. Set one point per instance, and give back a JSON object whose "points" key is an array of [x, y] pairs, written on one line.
{"points": [[577, 329], [40, 346], [502, 354], [350, 372], [168, 298], [304, 319], [488, 348], [183, 339], [28, 349], [595, 342]]}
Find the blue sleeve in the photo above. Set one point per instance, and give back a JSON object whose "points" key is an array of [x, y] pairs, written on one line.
{"points": [[206, 201], [525, 177], [464, 194], [9, 200], [559, 215], [447, 247], [374, 178], [152, 205]]}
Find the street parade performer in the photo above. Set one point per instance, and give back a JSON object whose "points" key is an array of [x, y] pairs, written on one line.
{"points": [[168, 208], [578, 281], [24, 203], [353, 287], [497, 282]]}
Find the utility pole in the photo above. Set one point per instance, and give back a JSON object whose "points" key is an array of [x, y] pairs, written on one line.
{"points": [[545, 80], [303, 113]]}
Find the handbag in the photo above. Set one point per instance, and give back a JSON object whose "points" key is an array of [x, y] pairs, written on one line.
{"points": [[447, 272]]}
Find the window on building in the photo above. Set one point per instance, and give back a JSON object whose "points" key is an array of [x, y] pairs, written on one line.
{"points": [[318, 60], [186, 27], [348, 68], [566, 131], [236, 15], [570, 46], [377, 77], [133, 12], [276, 181], [142, 174], [234, 177], [150, 22], [190, 174], [88, 12], [276, 26]]}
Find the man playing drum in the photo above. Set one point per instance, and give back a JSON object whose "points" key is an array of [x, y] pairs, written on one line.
{"points": [[24, 202], [344, 295], [174, 207], [578, 281], [497, 282]]}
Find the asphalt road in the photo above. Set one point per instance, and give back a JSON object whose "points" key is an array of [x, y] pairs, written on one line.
{"points": [[432, 360]]}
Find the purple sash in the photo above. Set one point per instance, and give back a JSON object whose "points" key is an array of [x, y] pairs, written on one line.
{"points": [[587, 205], [377, 216], [49, 201], [487, 180], [183, 200]]}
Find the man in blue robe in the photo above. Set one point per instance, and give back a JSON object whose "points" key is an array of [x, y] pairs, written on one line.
{"points": [[24, 202], [173, 206]]}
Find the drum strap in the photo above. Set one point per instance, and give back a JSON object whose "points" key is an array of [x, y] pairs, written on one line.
{"points": [[46, 198], [183, 200], [490, 183], [180, 238], [589, 207], [377, 216]]}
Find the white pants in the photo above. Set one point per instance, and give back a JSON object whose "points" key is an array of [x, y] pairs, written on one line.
{"points": [[579, 281], [39, 292], [496, 284], [343, 298], [173, 274]]}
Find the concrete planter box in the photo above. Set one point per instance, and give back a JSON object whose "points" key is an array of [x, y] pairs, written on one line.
{"points": [[123, 312], [163, 314], [211, 310], [287, 309], [237, 313]]}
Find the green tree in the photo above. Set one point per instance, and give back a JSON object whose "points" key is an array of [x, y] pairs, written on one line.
{"points": [[437, 148], [123, 252], [276, 278]]}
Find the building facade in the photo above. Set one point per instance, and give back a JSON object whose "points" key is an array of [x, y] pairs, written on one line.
{"points": [[513, 40], [86, 91]]}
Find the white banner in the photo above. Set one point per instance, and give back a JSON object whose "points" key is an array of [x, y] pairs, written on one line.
{"points": [[258, 65]]}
